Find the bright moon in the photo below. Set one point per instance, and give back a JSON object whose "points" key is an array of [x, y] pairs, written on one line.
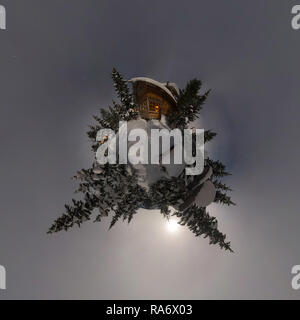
{"points": [[172, 225]]}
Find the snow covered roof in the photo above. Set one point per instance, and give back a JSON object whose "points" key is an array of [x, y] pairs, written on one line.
{"points": [[173, 85], [156, 83]]}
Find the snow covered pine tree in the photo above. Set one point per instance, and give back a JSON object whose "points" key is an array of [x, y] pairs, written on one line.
{"points": [[116, 189]]}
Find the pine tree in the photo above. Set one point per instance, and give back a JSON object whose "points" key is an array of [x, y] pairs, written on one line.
{"points": [[202, 224], [114, 190], [188, 105]]}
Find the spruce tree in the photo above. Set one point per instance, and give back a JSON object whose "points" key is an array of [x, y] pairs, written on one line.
{"points": [[114, 190]]}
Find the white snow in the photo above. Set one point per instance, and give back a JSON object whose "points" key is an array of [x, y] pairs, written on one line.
{"points": [[156, 83], [206, 195], [151, 173], [97, 170], [207, 175], [173, 85]]}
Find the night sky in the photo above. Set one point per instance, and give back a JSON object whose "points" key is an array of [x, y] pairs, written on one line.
{"points": [[55, 63]]}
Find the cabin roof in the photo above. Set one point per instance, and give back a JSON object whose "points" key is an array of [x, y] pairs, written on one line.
{"points": [[160, 85], [172, 85]]}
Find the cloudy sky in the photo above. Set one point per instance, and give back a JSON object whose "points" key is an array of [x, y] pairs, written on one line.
{"points": [[55, 63]]}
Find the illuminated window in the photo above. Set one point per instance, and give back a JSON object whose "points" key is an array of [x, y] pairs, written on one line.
{"points": [[151, 107], [154, 105]]}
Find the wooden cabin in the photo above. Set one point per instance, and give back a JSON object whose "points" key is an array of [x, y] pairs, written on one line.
{"points": [[154, 98]]}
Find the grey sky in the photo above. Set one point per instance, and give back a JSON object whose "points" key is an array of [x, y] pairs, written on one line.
{"points": [[55, 64]]}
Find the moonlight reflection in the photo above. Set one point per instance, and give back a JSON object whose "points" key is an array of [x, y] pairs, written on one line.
{"points": [[172, 225]]}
